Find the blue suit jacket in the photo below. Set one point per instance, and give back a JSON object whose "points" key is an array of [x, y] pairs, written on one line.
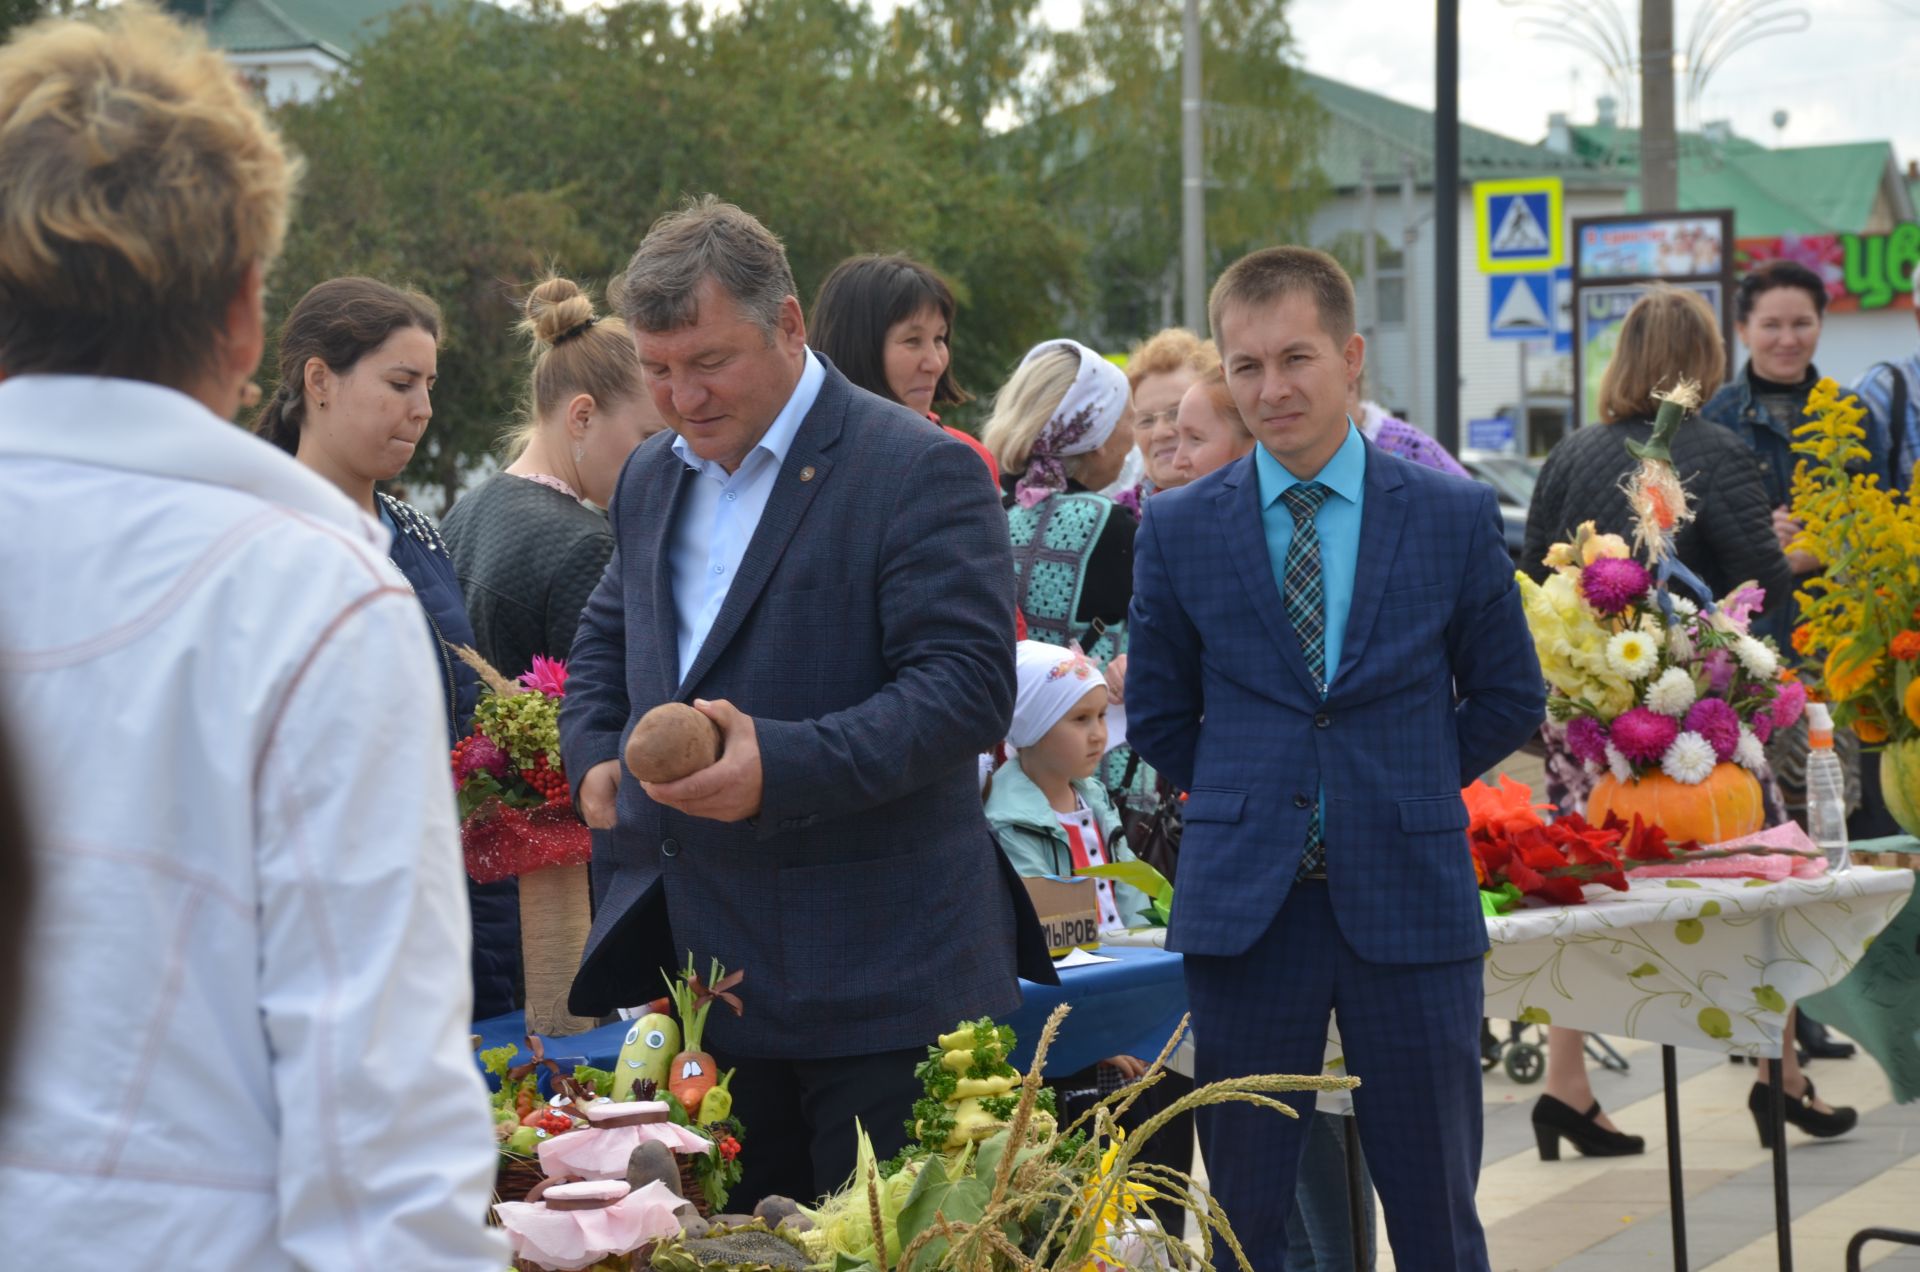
{"points": [[1437, 683], [869, 632]]}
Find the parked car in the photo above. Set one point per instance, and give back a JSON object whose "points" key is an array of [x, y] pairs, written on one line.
{"points": [[1512, 478]]}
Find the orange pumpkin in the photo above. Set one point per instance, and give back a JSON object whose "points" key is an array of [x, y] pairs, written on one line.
{"points": [[1725, 806]]}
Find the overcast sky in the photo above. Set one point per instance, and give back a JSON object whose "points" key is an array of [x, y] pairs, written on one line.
{"points": [[1853, 75]]}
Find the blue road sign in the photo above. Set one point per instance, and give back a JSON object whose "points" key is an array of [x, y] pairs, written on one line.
{"points": [[1494, 434], [1520, 307]]}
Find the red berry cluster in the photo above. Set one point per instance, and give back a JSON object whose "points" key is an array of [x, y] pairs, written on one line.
{"points": [[547, 781]]}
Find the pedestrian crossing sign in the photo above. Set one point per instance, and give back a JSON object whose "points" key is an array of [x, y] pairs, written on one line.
{"points": [[1519, 225]]}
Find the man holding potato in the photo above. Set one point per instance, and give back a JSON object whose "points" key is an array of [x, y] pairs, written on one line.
{"points": [[823, 576]]}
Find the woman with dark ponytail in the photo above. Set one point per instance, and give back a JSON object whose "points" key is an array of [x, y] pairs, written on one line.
{"points": [[357, 365]]}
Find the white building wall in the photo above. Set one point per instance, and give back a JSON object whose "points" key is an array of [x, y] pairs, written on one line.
{"points": [[298, 75]]}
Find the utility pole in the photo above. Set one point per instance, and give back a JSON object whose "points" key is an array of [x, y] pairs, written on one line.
{"points": [[1659, 152], [1446, 226], [1193, 169]]}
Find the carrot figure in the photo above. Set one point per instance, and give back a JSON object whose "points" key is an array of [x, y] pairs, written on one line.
{"points": [[693, 1072]]}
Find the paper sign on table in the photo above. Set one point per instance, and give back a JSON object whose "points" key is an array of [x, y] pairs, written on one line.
{"points": [[1080, 958]]}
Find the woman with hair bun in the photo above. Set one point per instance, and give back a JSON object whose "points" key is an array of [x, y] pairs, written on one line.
{"points": [[530, 544]]}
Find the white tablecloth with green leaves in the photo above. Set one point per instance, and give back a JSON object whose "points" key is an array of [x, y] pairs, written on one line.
{"points": [[1703, 963]]}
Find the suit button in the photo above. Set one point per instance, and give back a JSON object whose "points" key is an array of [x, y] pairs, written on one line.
{"points": [[1301, 801], [669, 847], [1322, 721]]}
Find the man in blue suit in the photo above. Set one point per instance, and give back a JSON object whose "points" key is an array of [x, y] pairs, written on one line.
{"points": [[825, 576], [1327, 644]]}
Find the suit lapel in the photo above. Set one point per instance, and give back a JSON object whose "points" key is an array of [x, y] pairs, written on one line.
{"points": [[1381, 518], [800, 478], [669, 494], [1238, 500]]}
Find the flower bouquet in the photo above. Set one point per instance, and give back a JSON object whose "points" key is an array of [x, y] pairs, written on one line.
{"points": [[1861, 615], [1672, 699], [517, 820]]}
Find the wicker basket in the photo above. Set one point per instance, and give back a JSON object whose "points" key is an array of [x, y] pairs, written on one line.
{"points": [[515, 1178], [691, 1190]]}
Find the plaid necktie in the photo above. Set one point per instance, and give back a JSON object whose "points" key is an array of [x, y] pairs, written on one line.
{"points": [[1306, 600]]}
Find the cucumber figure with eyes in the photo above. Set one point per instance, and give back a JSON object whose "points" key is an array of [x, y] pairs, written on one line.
{"points": [[651, 1043]]}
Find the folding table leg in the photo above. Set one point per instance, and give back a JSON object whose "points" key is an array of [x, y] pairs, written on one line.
{"points": [[1777, 1114], [1356, 1196], [1676, 1188]]}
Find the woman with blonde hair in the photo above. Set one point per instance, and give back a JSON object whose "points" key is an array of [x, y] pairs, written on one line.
{"points": [[256, 949], [531, 543], [1160, 370]]}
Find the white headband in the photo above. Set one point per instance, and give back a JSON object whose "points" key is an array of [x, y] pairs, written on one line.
{"points": [[1084, 420], [1052, 682]]}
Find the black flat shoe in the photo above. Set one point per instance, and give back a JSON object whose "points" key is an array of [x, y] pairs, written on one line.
{"points": [[1555, 1120], [1801, 1113]]}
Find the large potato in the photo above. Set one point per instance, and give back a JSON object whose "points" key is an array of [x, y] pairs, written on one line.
{"points": [[670, 742]]}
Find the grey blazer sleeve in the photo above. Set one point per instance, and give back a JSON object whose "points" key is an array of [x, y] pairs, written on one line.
{"points": [[946, 617]]}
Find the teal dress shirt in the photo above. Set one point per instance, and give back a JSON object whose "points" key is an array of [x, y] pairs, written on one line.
{"points": [[1337, 521]]}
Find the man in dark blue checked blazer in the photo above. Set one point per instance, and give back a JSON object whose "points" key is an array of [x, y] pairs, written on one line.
{"points": [[825, 575], [1326, 645]]}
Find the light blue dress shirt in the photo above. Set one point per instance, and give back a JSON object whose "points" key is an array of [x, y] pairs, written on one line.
{"points": [[1337, 521], [720, 513]]}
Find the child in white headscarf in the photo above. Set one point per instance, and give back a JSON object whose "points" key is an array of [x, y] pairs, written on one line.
{"points": [[1050, 814]]}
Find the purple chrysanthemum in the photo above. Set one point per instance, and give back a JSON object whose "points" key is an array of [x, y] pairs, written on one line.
{"points": [[1587, 739], [1613, 583], [1643, 736], [1715, 720], [1720, 667], [1788, 704], [1762, 723]]}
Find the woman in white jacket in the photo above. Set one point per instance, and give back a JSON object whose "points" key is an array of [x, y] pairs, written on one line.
{"points": [[244, 1043]]}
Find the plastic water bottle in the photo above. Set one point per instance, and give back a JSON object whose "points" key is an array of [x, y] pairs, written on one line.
{"points": [[1826, 790]]}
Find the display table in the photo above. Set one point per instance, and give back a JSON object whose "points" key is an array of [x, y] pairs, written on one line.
{"points": [[1129, 1006], [1711, 964]]}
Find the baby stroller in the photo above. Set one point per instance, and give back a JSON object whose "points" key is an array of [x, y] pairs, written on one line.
{"points": [[1523, 1053]]}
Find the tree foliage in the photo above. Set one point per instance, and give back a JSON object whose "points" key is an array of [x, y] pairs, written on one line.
{"points": [[472, 148]]}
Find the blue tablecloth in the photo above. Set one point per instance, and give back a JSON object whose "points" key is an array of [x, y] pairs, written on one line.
{"points": [[1127, 1007]]}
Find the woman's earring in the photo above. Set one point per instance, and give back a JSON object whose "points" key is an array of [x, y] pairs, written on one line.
{"points": [[579, 451]]}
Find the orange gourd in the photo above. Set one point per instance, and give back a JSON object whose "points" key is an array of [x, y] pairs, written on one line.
{"points": [[1725, 806]]}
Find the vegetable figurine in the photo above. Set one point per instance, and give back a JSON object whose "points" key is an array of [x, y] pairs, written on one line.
{"points": [[651, 1044], [971, 1089], [693, 1072], [717, 1106]]}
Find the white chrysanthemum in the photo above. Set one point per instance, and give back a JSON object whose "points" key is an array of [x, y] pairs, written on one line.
{"points": [[1749, 753], [1683, 607], [1633, 655], [1689, 759], [1617, 764], [1759, 661], [1672, 693]]}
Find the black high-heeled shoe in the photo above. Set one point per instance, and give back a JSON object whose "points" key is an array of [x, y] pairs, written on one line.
{"points": [[1554, 1120], [1801, 1113]]}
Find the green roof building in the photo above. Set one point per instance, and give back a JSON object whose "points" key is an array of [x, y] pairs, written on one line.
{"points": [[290, 49]]}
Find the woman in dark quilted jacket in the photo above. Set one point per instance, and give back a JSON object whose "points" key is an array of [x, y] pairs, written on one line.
{"points": [[1669, 336]]}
